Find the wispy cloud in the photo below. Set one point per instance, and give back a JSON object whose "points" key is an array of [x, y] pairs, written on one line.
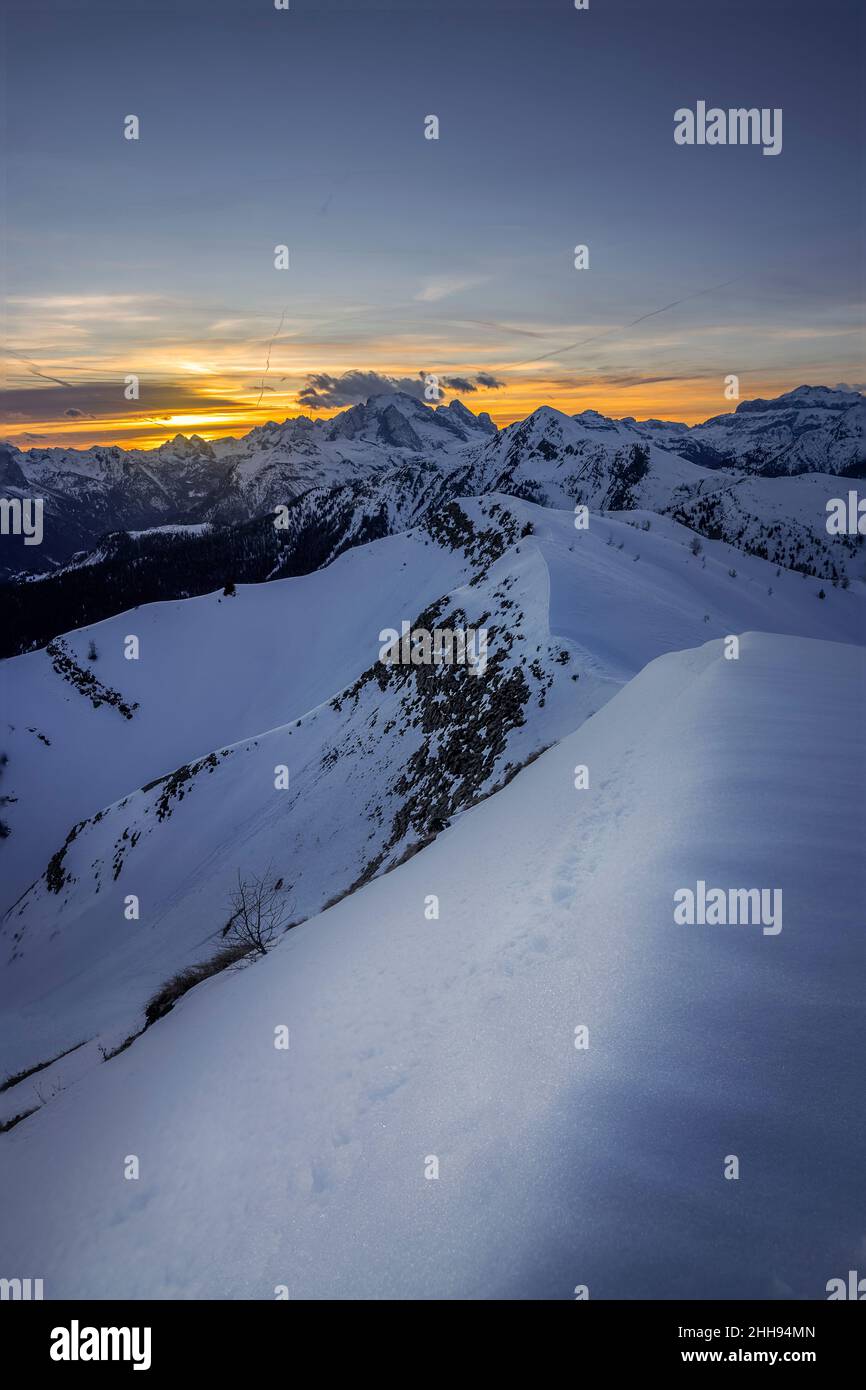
{"points": [[442, 288], [103, 308]]}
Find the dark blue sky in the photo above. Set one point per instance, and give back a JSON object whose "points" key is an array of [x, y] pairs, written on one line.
{"points": [[305, 127]]}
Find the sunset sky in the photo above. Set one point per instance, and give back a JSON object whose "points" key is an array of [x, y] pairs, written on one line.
{"points": [[306, 127]]}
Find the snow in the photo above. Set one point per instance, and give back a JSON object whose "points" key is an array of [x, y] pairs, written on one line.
{"points": [[194, 529], [567, 458], [813, 429], [193, 701], [453, 1038], [252, 678], [304, 638]]}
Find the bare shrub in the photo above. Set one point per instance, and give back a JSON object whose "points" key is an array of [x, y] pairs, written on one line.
{"points": [[259, 913]]}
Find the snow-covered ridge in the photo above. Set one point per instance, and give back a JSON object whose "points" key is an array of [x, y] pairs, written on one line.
{"points": [[287, 673], [453, 1038]]}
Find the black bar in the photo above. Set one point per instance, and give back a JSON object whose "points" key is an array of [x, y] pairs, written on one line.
{"points": [[226, 1337]]}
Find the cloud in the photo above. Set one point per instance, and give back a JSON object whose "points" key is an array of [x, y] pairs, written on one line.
{"points": [[77, 301], [95, 399], [69, 308], [324, 392], [441, 289], [464, 385]]}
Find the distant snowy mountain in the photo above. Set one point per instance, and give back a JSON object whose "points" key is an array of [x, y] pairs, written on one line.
{"points": [[275, 463], [349, 481], [549, 458], [558, 460], [94, 491], [814, 429], [400, 421]]}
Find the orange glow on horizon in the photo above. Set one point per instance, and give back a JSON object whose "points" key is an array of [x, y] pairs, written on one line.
{"points": [[690, 401], [148, 432]]}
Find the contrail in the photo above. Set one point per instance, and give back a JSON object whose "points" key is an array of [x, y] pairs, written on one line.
{"points": [[268, 362], [568, 347], [36, 372], [500, 327]]}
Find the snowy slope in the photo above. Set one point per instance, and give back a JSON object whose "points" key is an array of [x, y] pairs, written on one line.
{"points": [[227, 689], [215, 671], [211, 671], [127, 569], [454, 1038], [783, 519]]}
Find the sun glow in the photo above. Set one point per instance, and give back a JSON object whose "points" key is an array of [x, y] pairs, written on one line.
{"points": [[206, 420]]}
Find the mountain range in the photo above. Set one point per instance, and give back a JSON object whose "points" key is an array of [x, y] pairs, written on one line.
{"points": [[122, 528], [91, 492]]}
